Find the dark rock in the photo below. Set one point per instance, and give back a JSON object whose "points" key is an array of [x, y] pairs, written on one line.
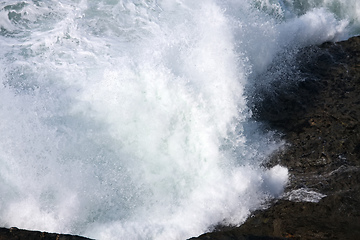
{"points": [[20, 234], [319, 118]]}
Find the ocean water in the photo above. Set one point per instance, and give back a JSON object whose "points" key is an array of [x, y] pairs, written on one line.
{"points": [[129, 119]]}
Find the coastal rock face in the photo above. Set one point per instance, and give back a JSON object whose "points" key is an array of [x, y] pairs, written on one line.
{"points": [[319, 120], [19, 234]]}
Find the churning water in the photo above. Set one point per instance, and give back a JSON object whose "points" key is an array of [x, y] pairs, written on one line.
{"points": [[126, 119]]}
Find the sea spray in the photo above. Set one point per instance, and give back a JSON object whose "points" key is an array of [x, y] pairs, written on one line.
{"points": [[129, 119]]}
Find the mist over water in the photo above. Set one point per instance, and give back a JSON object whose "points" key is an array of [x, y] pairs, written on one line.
{"points": [[129, 119]]}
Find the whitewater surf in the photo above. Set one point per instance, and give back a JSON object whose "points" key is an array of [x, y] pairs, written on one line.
{"points": [[130, 119]]}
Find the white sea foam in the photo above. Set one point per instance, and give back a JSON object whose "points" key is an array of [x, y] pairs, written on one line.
{"points": [[304, 195], [129, 118]]}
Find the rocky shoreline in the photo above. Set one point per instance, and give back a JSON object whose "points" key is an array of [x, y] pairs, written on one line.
{"points": [[319, 119], [21, 234]]}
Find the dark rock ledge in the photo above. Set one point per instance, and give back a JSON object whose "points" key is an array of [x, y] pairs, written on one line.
{"points": [[20, 234], [319, 119]]}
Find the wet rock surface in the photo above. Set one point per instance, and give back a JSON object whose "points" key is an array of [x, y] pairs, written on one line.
{"points": [[19, 234], [319, 118]]}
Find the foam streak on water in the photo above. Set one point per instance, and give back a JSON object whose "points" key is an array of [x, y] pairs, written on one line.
{"points": [[129, 119]]}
